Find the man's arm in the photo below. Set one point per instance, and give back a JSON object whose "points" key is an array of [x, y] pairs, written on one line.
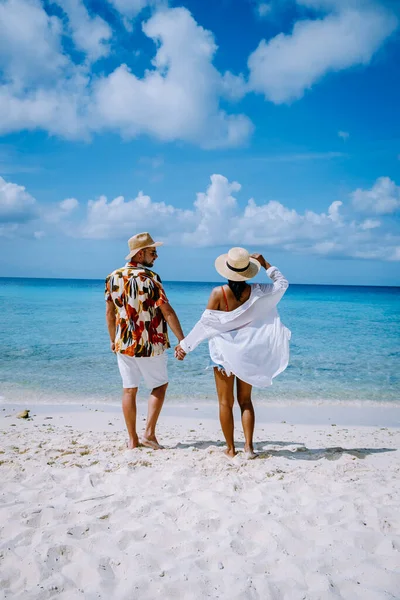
{"points": [[110, 319], [170, 316]]}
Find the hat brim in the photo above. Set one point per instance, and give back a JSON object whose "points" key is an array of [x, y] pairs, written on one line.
{"points": [[223, 269], [132, 254]]}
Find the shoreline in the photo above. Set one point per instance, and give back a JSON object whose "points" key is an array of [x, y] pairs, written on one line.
{"points": [[266, 413]]}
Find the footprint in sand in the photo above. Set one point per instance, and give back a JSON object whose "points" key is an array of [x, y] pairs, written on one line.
{"points": [[105, 569], [57, 556], [79, 531]]}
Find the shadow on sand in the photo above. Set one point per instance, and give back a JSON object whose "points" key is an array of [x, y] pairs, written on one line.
{"points": [[298, 452]]}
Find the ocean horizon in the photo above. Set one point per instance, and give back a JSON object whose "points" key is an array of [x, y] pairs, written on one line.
{"points": [[213, 283], [55, 349]]}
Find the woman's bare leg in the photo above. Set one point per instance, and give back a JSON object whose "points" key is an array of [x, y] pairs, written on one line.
{"points": [[224, 386], [247, 410]]}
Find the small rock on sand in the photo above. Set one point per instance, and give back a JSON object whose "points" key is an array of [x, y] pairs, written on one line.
{"points": [[24, 414]]}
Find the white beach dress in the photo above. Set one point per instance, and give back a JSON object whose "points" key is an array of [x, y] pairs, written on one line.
{"points": [[251, 342]]}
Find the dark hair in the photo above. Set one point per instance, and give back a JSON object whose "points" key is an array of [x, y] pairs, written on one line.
{"points": [[237, 288]]}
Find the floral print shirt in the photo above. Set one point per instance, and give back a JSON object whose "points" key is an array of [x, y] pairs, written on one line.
{"points": [[137, 293]]}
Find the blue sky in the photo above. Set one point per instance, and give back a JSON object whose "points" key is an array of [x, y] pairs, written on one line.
{"points": [[270, 125]]}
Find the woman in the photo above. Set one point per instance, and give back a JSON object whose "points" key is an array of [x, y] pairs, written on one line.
{"points": [[247, 340]]}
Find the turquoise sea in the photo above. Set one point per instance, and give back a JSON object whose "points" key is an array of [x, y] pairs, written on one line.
{"points": [[54, 344]]}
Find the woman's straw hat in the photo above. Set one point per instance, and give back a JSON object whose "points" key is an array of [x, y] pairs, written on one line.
{"points": [[139, 242], [237, 265]]}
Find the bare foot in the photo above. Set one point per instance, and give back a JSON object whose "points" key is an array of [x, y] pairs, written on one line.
{"points": [[151, 443], [230, 452], [248, 452], [248, 448], [133, 443]]}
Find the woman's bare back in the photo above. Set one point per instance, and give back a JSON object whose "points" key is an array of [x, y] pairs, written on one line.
{"points": [[222, 298]]}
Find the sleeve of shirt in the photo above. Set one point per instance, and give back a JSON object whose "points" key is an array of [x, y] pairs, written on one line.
{"points": [[160, 297], [279, 286], [198, 334], [107, 289]]}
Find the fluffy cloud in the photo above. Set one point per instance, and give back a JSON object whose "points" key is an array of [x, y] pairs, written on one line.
{"points": [[131, 8], [90, 34], [287, 65], [370, 224], [58, 212], [30, 44], [216, 218], [178, 98], [382, 199], [55, 88], [119, 217], [22, 215], [16, 204]]}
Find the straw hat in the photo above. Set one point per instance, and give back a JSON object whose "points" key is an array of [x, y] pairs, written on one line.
{"points": [[237, 265], [140, 242]]}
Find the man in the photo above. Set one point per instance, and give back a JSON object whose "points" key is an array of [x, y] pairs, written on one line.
{"points": [[137, 314]]}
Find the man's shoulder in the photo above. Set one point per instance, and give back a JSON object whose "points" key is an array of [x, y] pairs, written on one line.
{"points": [[133, 271], [117, 273]]}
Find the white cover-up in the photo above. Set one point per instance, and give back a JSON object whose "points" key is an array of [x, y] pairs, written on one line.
{"points": [[250, 341]]}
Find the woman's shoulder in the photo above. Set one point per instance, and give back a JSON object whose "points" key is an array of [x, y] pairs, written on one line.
{"points": [[217, 291], [214, 299]]}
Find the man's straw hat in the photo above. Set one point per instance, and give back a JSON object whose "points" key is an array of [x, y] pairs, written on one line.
{"points": [[139, 242], [237, 265]]}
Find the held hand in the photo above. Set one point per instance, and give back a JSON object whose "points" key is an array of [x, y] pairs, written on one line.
{"points": [[261, 260], [112, 346], [179, 353]]}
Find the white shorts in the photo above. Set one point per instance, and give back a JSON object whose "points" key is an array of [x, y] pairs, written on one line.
{"points": [[153, 370]]}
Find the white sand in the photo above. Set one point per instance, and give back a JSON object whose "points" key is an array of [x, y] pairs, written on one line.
{"points": [[316, 516]]}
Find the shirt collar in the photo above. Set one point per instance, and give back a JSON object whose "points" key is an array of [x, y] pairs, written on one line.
{"points": [[132, 263]]}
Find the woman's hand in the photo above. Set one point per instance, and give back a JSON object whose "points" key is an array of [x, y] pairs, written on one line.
{"points": [[179, 353], [112, 347], [261, 260]]}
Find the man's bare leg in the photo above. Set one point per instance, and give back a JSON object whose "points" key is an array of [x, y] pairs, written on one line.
{"points": [[155, 404], [129, 410], [246, 407], [224, 385]]}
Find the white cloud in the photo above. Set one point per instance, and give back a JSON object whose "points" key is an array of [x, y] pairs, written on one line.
{"points": [[59, 110], [58, 212], [287, 65], [69, 204], [30, 44], [131, 8], [234, 87], [382, 199], [213, 212], [90, 34], [344, 135], [370, 224], [16, 204], [179, 97], [20, 213], [215, 218], [119, 217]]}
